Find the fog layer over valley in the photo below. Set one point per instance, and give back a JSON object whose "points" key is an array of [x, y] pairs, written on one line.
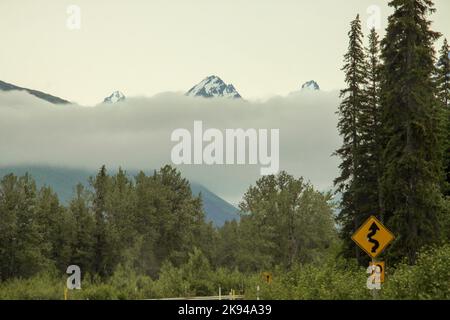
{"points": [[135, 134]]}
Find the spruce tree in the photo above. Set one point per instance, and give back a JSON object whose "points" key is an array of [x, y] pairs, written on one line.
{"points": [[443, 86], [371, 129], [102, 245], [443, 67], [354, 100], [151, 211], [56, 226], [411, 157], [184, 218], [83, 245]]}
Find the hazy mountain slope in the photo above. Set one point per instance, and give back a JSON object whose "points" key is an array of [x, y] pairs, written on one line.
{"points": [[217, 210], [4, 86], [64, 180]]}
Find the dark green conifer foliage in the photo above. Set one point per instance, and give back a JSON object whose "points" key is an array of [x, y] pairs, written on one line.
{"points": [[56, 226], [103, 244], [411, 152], [84, 226], [371, 129], [354, 103], [443, 93]]}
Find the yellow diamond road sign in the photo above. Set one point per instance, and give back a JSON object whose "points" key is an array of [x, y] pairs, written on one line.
{"points": [[373, 237]]}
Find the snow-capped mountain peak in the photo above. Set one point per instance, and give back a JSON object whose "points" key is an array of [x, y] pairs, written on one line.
{"points": [[213, 87], [310, 85], [115, 97]]}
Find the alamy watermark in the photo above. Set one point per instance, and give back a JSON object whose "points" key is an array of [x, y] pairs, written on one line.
{"points": [[374, 18], [231, 147], [74, 280], [73, 21], [374, 280]]}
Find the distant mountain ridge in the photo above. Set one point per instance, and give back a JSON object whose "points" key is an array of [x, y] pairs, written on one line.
{"points": [[213, 87], [4, 86], [64, 180], [311, 85], [115, 97], [210, 87]]}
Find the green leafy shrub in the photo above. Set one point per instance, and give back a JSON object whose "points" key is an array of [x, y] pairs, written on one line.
{"points": [[331, 281], [336, 279], [40, 287], [428, 279]]}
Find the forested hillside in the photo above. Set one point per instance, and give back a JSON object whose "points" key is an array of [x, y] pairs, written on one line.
{"points": [[63, 181]]}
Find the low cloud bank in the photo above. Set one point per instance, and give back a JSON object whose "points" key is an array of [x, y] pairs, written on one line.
{"points": [[136, 134]]}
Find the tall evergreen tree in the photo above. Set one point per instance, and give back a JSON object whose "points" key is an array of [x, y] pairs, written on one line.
{"points": [[103, 244], [83, 245], [371, 129], [354, 101], [443, 85], [150, 207], [443, 67], [183, 223], [57, 227], [120, 206], [411, 156]]}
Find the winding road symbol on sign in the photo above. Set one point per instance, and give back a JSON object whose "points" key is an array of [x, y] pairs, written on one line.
{"points": [[373, 231], [373, 237]]}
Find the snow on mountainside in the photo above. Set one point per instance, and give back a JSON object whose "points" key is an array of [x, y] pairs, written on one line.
{"points": [[213, 87], [310, 85], [115, 97]]}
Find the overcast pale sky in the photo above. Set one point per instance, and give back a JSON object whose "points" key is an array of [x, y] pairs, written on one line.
{"points": [[143, 47]]}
